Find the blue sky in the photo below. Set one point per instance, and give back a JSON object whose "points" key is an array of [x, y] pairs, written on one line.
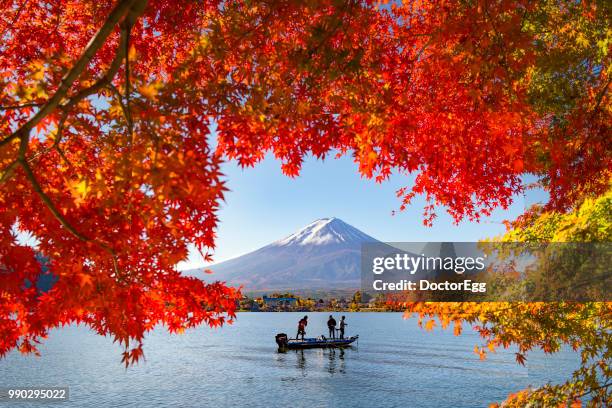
{"points": [[264, 205]]}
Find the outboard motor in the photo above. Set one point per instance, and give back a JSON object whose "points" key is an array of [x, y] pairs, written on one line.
{"points": [[282, 340]]}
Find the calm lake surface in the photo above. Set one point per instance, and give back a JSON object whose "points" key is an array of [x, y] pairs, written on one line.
{"points": [[395, 364]]}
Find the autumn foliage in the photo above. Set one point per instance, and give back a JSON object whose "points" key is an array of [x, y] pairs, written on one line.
{"points": [[109, 111]]}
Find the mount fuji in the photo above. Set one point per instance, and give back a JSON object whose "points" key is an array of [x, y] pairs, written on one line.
{"points": [[325, 254]]}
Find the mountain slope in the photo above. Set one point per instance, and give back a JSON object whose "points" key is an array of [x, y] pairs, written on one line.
{"points": [[323, 255]]}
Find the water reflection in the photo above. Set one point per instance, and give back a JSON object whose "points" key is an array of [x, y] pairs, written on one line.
{"points": [[301, 361], [336, 361], [332, 361]]}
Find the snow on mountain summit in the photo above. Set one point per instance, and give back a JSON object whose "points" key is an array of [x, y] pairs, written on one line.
{"points": [[325, 231]]}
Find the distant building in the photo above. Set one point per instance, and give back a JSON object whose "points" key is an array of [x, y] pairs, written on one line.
{"points": [[279, 301]]}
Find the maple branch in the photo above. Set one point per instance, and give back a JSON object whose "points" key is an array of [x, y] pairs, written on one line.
{"points": [[345, 11], [134, 9], [8, 171], [256, 27], [102, 82], [126, 114], [58, 138], [122, 52], [601, 95], [14, 20], [423, 48], [58, 215], [593, 390], [21, 106], [47, 201], [504, 62], [63, 155], [75, 72], [593, 112], [126, 111], [23, 147], [126, 27]]}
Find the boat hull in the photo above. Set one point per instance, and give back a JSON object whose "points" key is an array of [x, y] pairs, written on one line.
{"points": [[295, 344]]}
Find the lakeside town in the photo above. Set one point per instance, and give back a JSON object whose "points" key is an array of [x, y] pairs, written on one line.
{"points": [[289, 302]]}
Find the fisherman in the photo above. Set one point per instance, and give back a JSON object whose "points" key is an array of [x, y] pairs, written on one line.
{"points": [[331, 325], [342, 326], [302, 327]]}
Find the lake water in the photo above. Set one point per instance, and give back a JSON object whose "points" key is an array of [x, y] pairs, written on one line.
{"points": [[395, 364]]}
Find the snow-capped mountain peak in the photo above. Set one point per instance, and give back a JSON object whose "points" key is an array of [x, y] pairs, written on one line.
{"points": [[325, 231], [324, 254]]}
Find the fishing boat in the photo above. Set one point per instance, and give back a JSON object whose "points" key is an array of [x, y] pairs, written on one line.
{"points": [[285, 343]]}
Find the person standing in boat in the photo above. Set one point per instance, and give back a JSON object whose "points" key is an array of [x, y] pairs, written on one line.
{"points": [[342, 326], [331, 325], [302, 327]]}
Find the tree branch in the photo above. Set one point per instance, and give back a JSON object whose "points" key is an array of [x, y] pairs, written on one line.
{"points": [[58, 138], [127, 111], [114, 89], [601, 95], [73, 74], [8, 171], [102, 82], [47, 201], [131, 10], [14, 20], [21, 153], [122, 52], [21, 106], [58, 215], [590, 391]]}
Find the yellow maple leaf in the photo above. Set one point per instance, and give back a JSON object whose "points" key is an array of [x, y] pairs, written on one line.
{"points": [[148, 91], [79, 190]]}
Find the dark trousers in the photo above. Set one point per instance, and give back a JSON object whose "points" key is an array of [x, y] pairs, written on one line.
{"points": [[332, 332], [341, 333], [302, 332]]}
